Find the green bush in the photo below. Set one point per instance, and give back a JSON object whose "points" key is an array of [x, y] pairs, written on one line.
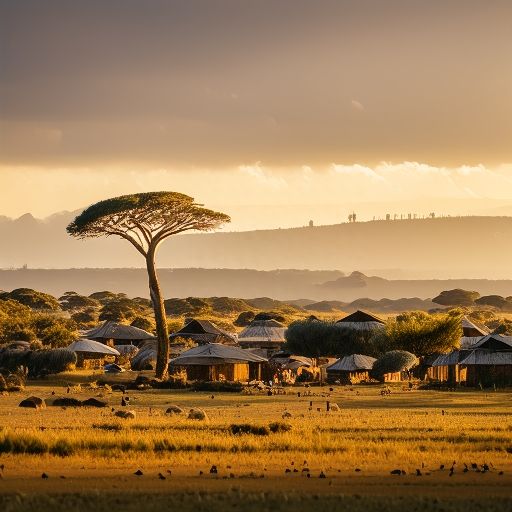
{"points": [[392, 362]]}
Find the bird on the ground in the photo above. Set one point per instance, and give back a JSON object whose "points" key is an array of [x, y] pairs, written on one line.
{"points": [[138, 472], [322, 475], [169, 471], [396, 472], [161, 477], [418, 473], [441, 467], [213, 470], [123, 402], [44, 476]]}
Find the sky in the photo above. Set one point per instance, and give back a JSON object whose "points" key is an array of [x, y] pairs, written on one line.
{"points": [[276, 112]]}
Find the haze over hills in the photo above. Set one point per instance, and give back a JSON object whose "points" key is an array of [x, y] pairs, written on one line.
{"points": [[458, 247], [284, 285]]}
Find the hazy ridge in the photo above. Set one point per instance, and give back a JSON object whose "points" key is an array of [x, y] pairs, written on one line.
{"points": [[427, 248]]}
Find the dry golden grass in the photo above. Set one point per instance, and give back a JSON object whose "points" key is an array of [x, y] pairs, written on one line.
{"points": [[407, 430]]}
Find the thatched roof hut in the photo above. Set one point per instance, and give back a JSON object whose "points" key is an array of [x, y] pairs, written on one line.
{"points": [[267, 334], [351, 369], [92, 347], [352, 363], [91, 351], [362, 321], [203, 332], [120, 334], [216, 361]]}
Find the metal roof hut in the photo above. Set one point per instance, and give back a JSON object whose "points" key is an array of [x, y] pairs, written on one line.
{"points": [[489, 363], [92, 354], [469, 329], [362, 321], [264, 334], [351, 369], [215, 361], [480, 360], [118, 334], [203, 332]]}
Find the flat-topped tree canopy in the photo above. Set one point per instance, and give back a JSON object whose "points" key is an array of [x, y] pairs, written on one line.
{"points": [[145, 219]]}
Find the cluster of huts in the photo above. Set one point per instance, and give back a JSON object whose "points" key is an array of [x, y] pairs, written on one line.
{"points": [[483, 359], [256, 353]]}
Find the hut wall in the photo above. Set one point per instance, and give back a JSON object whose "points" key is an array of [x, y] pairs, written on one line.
{"points": [[92, 360], [230, 372], [452, 373], [346, 377], [393, 377], [489, 375]]}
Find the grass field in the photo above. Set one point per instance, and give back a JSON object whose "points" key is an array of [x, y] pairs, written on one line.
{"points": [[90, 455]]}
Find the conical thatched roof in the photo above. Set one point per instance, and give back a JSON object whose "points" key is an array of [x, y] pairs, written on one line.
{"points": [[214, 354], [92, 346], [362, 321], [469, 329], [263, 331], [112, 330], [204, 331], [352, 363]]}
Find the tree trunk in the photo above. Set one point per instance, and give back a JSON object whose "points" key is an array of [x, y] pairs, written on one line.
{"points": [[160, 318]]}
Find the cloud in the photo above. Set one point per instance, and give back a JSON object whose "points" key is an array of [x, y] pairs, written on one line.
{"points": [[356, 169], [356, 105], [263, 176]]}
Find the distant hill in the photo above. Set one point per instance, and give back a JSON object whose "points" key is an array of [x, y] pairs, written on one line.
{"points": [[430, 248], [281, 285]]}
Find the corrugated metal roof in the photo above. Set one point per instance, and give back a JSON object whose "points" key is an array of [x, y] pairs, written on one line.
{"points": [[352, 363], [470, 329], [484, 357], [447, 359], [494, 341], [469, 341]]}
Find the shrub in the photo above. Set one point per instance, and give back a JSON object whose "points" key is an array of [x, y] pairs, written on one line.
{"points": [[278, 427], [247, 428], [45, 362], [391, 362]]}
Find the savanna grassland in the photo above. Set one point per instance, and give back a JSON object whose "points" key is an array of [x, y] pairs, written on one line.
{"points": [[90, 456]]}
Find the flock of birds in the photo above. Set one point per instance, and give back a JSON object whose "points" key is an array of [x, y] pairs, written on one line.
{"points": [[305, 471]]}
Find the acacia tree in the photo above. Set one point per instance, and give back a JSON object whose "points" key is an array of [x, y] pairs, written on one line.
{"points": [[146, 220]]}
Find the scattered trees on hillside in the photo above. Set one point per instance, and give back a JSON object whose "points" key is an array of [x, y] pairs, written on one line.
{"points": [[20, 323], [146, 220], [32, 298], [72, 301]]}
